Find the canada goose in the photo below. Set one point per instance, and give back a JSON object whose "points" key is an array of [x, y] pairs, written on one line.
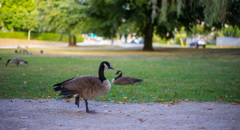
{"points": [[41, 51], [122, 80], [86, 87], [16, 61], [23, 51], [16, 51]]}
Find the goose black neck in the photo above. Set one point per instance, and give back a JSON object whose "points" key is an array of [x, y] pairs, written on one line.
{"points": [[119, 76], [101, 73]]}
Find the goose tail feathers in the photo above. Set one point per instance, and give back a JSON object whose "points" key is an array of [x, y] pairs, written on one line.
{"points": [[64, 91]]}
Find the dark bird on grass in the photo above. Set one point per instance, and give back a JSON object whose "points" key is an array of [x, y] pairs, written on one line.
{"points": [[16, 51], [16, 61], [86, 87], [0, 58], [123, 80], [41, 51]]}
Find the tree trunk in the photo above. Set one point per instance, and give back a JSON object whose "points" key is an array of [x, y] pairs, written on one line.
{"points": [[148, 37], [74, 40], [69, 40], [29, 34], [61, 37]]}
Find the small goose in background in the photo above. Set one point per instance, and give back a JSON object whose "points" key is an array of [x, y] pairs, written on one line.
{"points": [[123, 80], [16, 61], [41, 51], [86, 87]]}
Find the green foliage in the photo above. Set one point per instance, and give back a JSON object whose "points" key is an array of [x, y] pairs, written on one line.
{"points": [[38, 36], [170, 74], [15, 13], [231, 31]]}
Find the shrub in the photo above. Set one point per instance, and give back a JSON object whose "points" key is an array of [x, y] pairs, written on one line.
{"points": [[38, 36]]}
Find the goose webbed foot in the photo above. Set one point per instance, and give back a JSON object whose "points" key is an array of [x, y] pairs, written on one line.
{"points": [[92, 111]]}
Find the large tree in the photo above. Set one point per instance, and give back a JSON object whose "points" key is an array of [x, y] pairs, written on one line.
{"points": [[18, 14], [159, 16], [62, 16]]}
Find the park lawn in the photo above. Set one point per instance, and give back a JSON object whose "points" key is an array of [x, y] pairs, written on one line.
{"points": [[168, 74]]}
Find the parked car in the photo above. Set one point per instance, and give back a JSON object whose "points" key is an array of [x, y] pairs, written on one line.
{"points": [[198, 42], [138, 41]]}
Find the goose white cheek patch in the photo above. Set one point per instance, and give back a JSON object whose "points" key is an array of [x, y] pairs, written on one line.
{"points": [[105, 66]]}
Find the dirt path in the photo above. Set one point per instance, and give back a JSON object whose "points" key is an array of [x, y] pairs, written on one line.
{"points": [[59, 114]]}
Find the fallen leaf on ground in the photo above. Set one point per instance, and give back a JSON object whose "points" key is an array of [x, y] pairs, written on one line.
{"points": [[12, 101], [121, 102], [220, 97], [79, 111], [125, 97], [172, 103], [109, 110], [147, 111], [128, 115], [105, 105], [140, 119], [210, 109], [41, 101], [201, 127], [67, 100], [59, 124], [71, 98], [186, 100], [23, 117], [233, 103]]}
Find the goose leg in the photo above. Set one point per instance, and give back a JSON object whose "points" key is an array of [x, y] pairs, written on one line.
{"points": [[93, 111], [77, 101]]}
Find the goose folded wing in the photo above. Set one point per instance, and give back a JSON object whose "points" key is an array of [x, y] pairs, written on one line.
{"points": [[82, 83]]}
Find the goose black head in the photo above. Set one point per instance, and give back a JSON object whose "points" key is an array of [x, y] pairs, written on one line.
{"points": [[8, 62], [106, 65], [118, 72]]}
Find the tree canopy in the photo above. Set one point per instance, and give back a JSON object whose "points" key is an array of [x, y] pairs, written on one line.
{"points": [[62, 16], [109, 17], [162, 16]]}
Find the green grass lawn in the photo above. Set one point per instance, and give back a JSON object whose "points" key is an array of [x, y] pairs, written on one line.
{"points": [[168, 74]]}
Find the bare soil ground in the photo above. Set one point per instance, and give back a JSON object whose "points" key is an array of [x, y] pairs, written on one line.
{"points": [[59, 114]]}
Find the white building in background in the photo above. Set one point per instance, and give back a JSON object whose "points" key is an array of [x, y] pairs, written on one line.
{"points": [[228, 41]]}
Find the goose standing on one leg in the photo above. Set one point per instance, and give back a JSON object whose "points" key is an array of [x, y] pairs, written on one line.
{"points": [[86, 87], [123, 80], [16, 61]]}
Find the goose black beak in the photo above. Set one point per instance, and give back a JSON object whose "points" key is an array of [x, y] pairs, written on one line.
{"points": [[110, 68]]}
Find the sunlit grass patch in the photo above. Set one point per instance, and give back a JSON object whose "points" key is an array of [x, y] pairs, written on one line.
{"points": [[167, 76]]}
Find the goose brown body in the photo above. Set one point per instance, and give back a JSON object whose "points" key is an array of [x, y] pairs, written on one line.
{"points": [[124, 80], [16, 61], [86, 87]]}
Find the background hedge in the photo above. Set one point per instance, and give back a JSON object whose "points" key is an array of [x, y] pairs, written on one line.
{"points": [[38, 36]]}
